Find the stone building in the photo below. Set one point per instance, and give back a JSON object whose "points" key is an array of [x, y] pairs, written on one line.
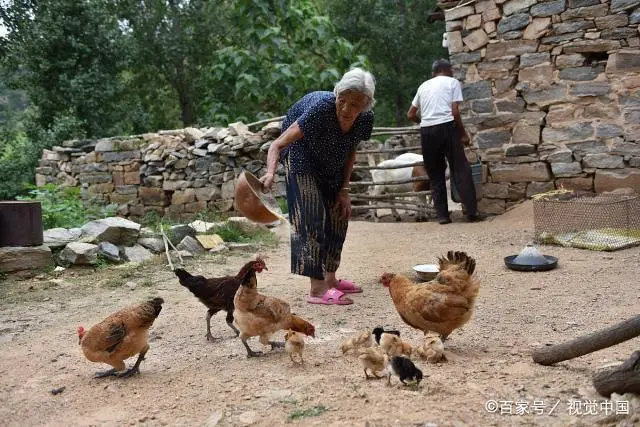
{"points": [[552, 92]]}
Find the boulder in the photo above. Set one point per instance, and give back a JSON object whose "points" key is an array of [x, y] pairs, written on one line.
{"points": [[59, 237], [23, 258], [79, 253], [116, 230]]}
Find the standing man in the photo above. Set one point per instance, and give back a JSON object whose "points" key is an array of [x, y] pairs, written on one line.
{"points": [[435, 107]]}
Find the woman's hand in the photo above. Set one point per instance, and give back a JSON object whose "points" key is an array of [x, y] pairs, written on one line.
{"points": [[267, 182], [343, 202]]}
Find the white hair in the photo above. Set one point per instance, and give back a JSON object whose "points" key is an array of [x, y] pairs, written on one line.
{"points": [[357, 80]]}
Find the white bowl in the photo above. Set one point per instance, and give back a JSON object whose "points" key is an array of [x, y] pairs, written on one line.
{"points": [[426, 271]]}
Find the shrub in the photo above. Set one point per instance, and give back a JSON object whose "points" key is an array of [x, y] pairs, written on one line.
{"points": [[63, 207]]}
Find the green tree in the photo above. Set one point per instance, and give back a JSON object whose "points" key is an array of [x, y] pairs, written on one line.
{"points": [[67, 56], [171, 44], [401, 44], [278, 50]]}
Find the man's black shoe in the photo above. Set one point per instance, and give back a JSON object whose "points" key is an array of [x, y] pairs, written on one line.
{"points": [[443, 221], [477, 217]]}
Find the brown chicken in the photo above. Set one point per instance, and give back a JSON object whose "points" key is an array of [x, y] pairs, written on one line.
{"points": [[442, 305], [120, 336], [217, 293], [374, 359], [432, 349], [261, 316]]}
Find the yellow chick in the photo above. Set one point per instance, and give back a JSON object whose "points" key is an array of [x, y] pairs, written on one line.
{"points": [[374, 359], [294, 344], [364, 339], [432, 349]]}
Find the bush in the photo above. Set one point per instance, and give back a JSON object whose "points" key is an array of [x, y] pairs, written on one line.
{"points": [[63, 207]]}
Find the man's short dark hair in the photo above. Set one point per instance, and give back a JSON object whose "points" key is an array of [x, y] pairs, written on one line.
{"points": [[440, 66]]}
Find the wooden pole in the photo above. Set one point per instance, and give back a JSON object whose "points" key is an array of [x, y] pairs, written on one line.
{"points": [[396, 182], [261, 122], [624, 378], [588, 343], [408, 165], [389, 196], [389, 150]]}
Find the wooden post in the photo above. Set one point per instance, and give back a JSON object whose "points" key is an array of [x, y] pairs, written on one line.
{"points": [[588, 343], [622, 379]]}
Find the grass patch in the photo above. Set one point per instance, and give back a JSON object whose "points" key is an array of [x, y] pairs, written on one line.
{"points": [[231, 233], [311, 412], [282, 204]]}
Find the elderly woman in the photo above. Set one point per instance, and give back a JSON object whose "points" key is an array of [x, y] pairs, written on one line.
{"points": [[317, 146]]}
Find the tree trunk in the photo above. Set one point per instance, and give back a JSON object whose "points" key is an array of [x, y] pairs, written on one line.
{"points": [[588, 343], [622, 379]]}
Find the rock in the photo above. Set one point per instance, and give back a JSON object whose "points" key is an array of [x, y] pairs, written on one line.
{"points": [[79, 253], [511, 47], [612, 21], [177, 233], [214, 419], [492, 139], [477, 90], [570, 60], [190, 244], [560, 156], [526, 134], [611, 180], [476, 39], [515, 5], [523, 172], [531, 59], [19, 258], [511, 23], [154, 244], [566, 169], [457, 13], [537, 28], [546, 95], [519, 150], [581, 46], [576, 183], [131, 285], [220, 248], [492, 206], [482, 106], [534, 188], [137, 253], [580, 73], [59, 237], [603, 161], [548, 8], [495, 190], [572, 132], [608, 130], [248, 418], [192, 134], [465, 58], [208, 193], [109, 251], [538, 75], [588, 12], [116, 230], [618, 33], [590, 89], [623, 62], [509, 106], [588, 146], [209, 241], [620, 5], [572, 27]]}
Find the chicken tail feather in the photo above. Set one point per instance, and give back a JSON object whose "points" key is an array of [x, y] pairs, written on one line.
{"points": [[458, 258]]}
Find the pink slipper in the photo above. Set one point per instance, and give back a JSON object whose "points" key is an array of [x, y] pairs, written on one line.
{"points": [[331, 297], [348, 287]]}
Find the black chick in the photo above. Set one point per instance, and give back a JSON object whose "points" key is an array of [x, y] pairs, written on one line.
{"points": [[404, 369], [378, 331]]}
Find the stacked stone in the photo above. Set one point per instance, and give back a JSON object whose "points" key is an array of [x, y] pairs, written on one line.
{"points": [[178, 173], [552, 91]]}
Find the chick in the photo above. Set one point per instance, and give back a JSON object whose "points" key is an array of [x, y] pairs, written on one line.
{"points": [[392, 345], [294, 344], [374, 359], [364, 339], [378, 331], [432, 349], [404, 369]]}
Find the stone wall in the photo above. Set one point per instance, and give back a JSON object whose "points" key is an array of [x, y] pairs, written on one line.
{"points": [[552, 93], [178, 173]]}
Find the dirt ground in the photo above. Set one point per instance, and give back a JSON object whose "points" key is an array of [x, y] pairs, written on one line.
{"points": [[186, 380]]}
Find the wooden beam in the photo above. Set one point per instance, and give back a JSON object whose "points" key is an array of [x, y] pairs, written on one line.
{"points": [[389, 150], [389, 195], [588, 343], [396, 182], [408, 165]]}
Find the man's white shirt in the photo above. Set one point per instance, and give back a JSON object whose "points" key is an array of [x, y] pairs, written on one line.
{"points": [[434, 98]]}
